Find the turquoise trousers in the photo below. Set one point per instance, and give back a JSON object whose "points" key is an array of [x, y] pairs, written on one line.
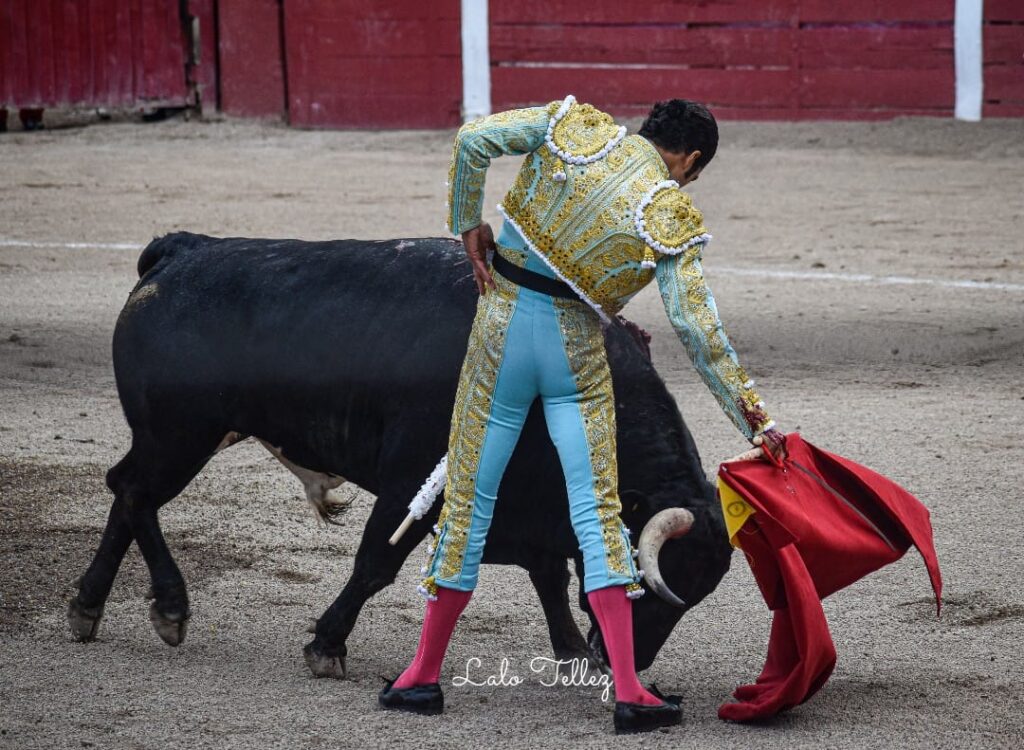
{"points": [[526, 345]]}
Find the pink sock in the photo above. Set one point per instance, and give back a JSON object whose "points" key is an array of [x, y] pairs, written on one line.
{"points": [[438, 624], [614, 612]]}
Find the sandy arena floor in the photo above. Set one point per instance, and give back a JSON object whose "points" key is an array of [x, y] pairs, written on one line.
{"points": [[921, 381]]}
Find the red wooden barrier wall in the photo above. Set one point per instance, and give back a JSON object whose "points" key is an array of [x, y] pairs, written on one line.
{"points": [[353, 63], [1004, 58], [251, 60], [92, 53], [396, 63], [784, 59]]}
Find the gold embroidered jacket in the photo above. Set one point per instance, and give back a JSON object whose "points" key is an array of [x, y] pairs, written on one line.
{"points": [[599, 207]]}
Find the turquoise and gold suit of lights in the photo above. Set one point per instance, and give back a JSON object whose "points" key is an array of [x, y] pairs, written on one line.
{"points": [[595, 208]]}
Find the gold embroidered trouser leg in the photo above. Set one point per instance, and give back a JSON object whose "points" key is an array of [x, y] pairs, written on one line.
{"points": [[525, 344]]}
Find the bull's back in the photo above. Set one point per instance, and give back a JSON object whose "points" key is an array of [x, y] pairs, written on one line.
{"points": [[261, 324]]}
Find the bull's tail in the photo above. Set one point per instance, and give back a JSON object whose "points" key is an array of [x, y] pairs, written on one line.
{"points": [[166, 247]]}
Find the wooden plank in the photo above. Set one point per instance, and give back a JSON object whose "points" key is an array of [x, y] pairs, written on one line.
{"points": [[837, 113], [863, 89], [677, 45], [875, 11], [991, 109], [17, 49], [1003, 44], [336, 110], [397, 10], [6, 54], [149, 43], [602, 87], [1004, 83], [396, 77], [204, 74], [41, 50], [126, 39], [59, 51], [643, 13], [346, 36], [173, 53], [251, 58], [85, 44], [1004, 10], [330, 86], [876, 48]]}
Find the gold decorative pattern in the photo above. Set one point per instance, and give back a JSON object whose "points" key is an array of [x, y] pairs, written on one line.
{"points": [[693, 313], [584, 224], [473, 398], [584, 131], [588, 360], [604, 226], [671, 218], [517, 131]]}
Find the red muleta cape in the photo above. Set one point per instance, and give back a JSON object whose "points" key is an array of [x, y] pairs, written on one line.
{"points": [[809, 526]]}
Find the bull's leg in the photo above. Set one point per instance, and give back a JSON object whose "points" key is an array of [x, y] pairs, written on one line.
{"points": [[86, 609], [149, 476], [550, 578], [169, 611], [376, 565]]}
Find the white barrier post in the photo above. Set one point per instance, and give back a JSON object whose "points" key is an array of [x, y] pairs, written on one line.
{"points": [[476, 60], [968, 51]]}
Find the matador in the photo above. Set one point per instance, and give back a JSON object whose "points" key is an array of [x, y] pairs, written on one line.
{"points": [[594, 215]]}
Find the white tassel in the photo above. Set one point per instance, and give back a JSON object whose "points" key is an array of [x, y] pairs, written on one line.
{"points": [[635, 594], [422, 590], [430, 490]]}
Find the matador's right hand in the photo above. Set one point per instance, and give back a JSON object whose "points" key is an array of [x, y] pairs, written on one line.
{"points": [[478, 241]]}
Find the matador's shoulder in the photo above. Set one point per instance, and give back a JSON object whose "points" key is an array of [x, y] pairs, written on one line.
{"points": [[668, 221], [580, 133]]}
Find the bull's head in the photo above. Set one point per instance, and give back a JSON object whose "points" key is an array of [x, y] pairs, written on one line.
{"points": [[684, 554]]}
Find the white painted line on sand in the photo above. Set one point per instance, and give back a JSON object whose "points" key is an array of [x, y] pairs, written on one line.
{"points": [[866, 278], [760, 273], [72, 245]]}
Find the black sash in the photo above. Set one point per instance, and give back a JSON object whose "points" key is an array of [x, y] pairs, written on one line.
{"points": [[538, 282]]}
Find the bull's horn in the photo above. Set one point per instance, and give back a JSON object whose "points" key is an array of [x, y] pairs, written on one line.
{"points": [[664, 525]]}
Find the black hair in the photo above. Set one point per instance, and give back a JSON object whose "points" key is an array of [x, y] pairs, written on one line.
{"points": [[682, 126]]}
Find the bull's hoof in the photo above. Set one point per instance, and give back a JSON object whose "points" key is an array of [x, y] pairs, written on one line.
{"points": [[170, 628], [84, 621], [596, 653], [324, 665]]}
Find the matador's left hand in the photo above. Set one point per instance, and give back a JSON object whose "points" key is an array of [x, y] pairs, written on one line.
{"points": [[477, 242]]}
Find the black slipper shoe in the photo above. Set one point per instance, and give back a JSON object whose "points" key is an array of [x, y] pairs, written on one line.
{"points": [[418, 699], [639, 717]]}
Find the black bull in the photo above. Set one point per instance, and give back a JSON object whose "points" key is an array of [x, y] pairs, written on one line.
{"points": [[345, 356]]}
